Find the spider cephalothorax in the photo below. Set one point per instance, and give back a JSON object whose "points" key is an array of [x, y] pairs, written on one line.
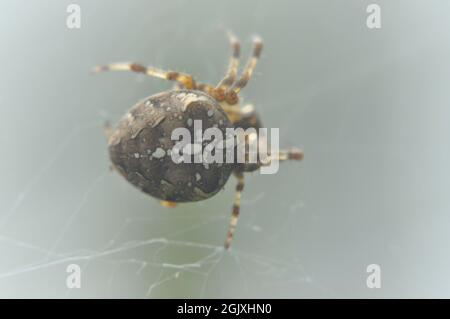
{"points": [[140, 145]]}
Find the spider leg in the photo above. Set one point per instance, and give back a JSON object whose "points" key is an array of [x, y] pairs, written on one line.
{"points": [[207, 88], [168, 204], [295, 154], [249, 67], [236, 209], [218, 92], [233, 65], [186, 80], [107, 130]]}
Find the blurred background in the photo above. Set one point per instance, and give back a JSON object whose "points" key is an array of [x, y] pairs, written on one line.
{"points": [[370, 107]]}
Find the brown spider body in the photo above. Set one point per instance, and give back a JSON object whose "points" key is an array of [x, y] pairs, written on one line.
{"points": [[139, 146]]}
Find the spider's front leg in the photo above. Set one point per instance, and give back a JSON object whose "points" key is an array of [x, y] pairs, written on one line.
{"points": [[231, 93], [230, 77], [218, 91], [185, 80], [249, 67]]}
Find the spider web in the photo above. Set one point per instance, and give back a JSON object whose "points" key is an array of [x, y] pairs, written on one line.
{"points": [[158, 260]]}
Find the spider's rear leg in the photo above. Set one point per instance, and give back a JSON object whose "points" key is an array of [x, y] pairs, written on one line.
{"points": [[186, 80], [236, 209], [168, 204], [107, 130]]}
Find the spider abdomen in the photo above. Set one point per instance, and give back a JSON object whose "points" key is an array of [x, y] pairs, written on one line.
{"points": [[141, 146]]}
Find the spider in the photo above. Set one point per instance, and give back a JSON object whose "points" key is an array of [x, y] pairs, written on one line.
{"points": [[140, 143]]}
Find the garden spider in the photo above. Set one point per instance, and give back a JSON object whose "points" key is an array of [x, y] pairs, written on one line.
{"points": [[138, 146]]}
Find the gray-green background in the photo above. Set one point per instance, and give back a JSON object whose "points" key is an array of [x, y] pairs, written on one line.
{"points": [[369, 107]]}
